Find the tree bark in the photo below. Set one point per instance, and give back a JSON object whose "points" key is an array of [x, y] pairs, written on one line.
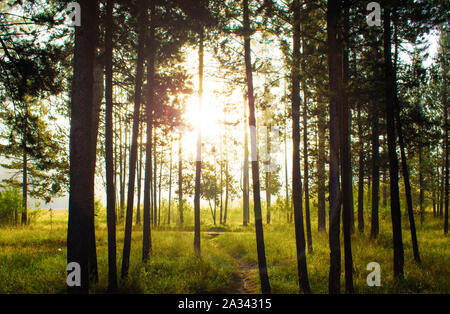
{"points": [[306, 170], [296, 172], [142, 18], [393, 161], [374, 230], [80, 207], [139, 178], [263, 276], [198, 162], [346, 161], [245, 183], [180, 181], [109, 153], [321, 176], [335, 75], [360, 175], [147, 239], [24, 183]]}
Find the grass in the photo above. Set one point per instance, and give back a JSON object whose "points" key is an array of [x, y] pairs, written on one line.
{"points": [[33, 258]]}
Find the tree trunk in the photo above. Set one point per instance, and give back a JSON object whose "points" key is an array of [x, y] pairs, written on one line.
{"points": [[288, 203], [446, 153], [226, 192], [306, 170], [321, 170], [374, 230], [155, 176], [245, 183], [142, 18], [139, 179], [405, 170], [24, 183], [147, 239], [121, 174], [263, 276], [385, 184], [170, 182], [80, 207], [159, 190], [346, 162], [109, 157], [180, 181], [198, 162], [393, 161], [296, 174], [267, 166], [360, 175], [335, 75], [421, 192]]}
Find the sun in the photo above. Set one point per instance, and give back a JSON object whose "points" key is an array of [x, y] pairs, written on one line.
{"points": [[209, 117]]}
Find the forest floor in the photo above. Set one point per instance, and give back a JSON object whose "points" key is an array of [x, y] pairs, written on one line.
{"points": [[33, 258]]}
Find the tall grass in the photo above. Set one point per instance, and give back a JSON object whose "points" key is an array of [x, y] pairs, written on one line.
{"points": [[33, 258]]}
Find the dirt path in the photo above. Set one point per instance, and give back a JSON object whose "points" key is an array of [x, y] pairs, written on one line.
{"points": [[245, 280]]}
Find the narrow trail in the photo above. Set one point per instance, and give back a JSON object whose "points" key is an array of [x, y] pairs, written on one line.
{"points": [[245, 281]]}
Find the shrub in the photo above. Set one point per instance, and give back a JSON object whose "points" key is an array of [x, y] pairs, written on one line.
{"points": [[10, 205]]}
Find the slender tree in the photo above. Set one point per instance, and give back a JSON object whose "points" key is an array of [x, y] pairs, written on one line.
{"points": [[142, 18], [263, 275], [147, 240], [296, 175], [393, 161], [109, 153], [198, 162]]}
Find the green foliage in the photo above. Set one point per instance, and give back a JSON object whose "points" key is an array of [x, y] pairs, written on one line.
{"points": [[10, 205]]}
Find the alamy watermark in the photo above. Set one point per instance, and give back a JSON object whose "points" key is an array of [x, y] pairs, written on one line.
{"points": [[374, 17], [74, 17]]}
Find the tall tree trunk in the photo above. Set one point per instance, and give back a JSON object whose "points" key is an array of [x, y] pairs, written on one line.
{"points": [[98, 89], [421, 192], [109, 157], [441, 210], [245, 183], [267, 166], [444, 94], [80, 207], [155, 176], [142, 18], [159, 189], [125, 151], [346, 160], [198, 162], [393, 161], [286, 183], [360, 175], [226, 192], [121, 174], [24, 183], [335, 75], [296, 172], [180, 181], [385, 184], [139, 177], [306, 169], [170, 182], [263, 276], [374, 230], [321, 125], [405, 170], [147, 239]]}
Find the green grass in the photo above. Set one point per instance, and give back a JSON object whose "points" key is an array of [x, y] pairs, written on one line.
{"points": [[33, 258]]}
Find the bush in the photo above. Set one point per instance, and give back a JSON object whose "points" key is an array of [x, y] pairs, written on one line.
{"points": [[10, 206]]}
